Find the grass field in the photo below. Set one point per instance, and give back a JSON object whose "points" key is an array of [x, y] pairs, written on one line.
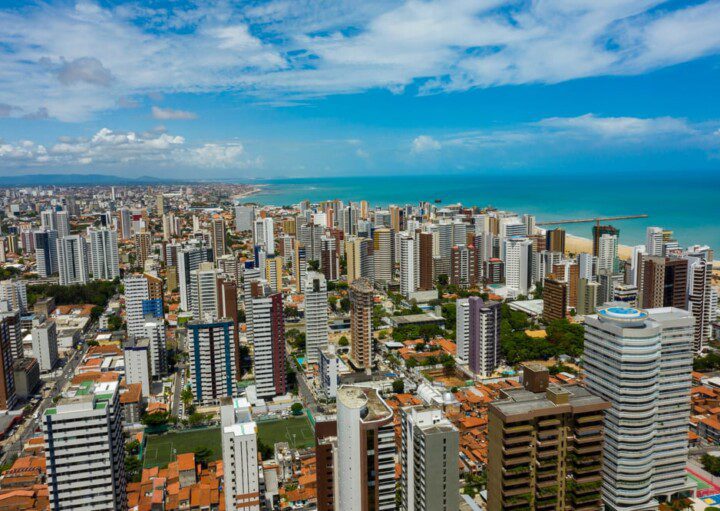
{"points": [[295, 431], [161, 449]]}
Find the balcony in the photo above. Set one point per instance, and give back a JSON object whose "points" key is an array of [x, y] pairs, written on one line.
{"points": [[520, 428]]}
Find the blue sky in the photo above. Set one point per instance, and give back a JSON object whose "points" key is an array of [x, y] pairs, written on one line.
{"points": [[291, 88]]}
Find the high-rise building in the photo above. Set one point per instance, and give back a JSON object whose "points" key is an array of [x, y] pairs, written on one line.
{"points": [[555, 240], [274, 272], [518, 264], [212, 359], [138, 363], [326, 451], [654, 241], [587, 296], [154, 332], [125, 223], [663, 282], [244, 218], [360, 257], [142, 242], [72, 260], [383, 253], [268, 334], [227, 298], [45, 344], [598, 231], [408, 269], [544, 446], [13, 321], [203, 285], [463, 266], [316, 316], [429, 459], [264, 234], [462, 328], [136, 292], [555, 298], [608, 253], [85, 451], [240, 455], [189, 259], [366, 453], [425, 260], [700, 298], [361, 305], [483, 350], [46, 257], [14, 295], [626, 293], [7, 377], [104, 258], [329, 262], [217, 235], [494, 271], [640, 361]]}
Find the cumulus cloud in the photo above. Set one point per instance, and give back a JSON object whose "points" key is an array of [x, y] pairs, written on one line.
{"points": [[84, 70], [80, 58], [120, 149], [168, 114], [424, 143]]}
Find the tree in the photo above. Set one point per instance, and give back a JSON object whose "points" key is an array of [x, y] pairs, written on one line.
{"points": [[443, 279], [202, 455], [296, 408], [398, 386], [133, 468], [343, 342], [155, 419], [186, 396], [314, 265], [115, 322], [345, 304], [711, 464]]}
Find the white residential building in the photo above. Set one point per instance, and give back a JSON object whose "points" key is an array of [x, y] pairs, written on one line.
{"points": [[518, 263], [203, 286], [408, 271], [138, 363], [640, 361], [85, 451], [188, 260], [104, 258], [462, 328], [240, 455], [265, 234], [366, 451], [72, 260], [700, 298], [14, 292], [136, 291], [45, 344], [429, 459], [316, 316], [654, 241], [608, 254]]}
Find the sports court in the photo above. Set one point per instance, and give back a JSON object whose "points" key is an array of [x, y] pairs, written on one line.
{"points": [[296, 431], [162, 449]]}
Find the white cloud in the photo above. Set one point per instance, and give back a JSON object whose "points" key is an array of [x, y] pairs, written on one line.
{"points": [[424, 143], [168, 114], [124, 149], [80, 59], [618, 126], [362, 153]]}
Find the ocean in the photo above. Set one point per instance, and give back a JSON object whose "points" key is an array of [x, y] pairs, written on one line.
{"points": [[690, 207]]}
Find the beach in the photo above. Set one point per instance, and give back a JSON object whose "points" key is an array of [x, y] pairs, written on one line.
{"points": [[578, 244]]}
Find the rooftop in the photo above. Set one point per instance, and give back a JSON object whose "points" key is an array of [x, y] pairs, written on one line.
{"points": [[358, 397], [519, 401]]}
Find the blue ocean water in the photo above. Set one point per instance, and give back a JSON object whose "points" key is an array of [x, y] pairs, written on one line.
{"points": [[690, 206]]}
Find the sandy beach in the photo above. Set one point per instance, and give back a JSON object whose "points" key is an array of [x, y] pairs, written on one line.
{"points": [[578, 244]]}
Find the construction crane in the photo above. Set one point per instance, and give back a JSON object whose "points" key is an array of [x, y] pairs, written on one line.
{"points": [[597, 220]]}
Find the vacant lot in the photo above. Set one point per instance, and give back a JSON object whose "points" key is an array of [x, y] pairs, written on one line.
{"points": [[162, 449]]}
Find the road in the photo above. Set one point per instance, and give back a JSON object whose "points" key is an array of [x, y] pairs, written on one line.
{"points": [[14, 444]]}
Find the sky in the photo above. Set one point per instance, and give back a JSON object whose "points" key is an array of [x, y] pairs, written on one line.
{"points": [[300, 88]]}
